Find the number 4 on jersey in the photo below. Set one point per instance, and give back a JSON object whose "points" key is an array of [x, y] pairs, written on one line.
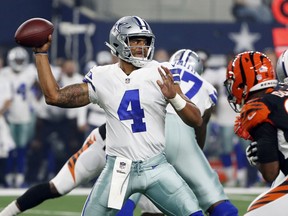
{"points": [[130, 108]]}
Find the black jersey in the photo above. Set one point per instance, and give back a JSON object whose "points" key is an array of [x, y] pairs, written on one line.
{"points": [[266, 119]]}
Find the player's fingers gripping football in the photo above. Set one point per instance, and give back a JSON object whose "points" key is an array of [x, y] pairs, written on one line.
{"points": [[167, 84], [45, 47], [251, 154]]}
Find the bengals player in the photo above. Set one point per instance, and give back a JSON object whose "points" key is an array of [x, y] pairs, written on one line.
{"points": [[263, 105]]}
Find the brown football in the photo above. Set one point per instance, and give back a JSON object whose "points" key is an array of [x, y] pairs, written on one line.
{"points": [[33, 32]]}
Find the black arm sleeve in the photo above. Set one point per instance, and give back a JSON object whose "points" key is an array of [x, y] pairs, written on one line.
{"points": [[267, 143], [102, 131]]}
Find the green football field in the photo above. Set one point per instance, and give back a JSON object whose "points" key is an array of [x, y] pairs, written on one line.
{"points": [[71, 205]]}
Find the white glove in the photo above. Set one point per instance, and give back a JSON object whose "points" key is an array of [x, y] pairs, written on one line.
{"points": [[251, 154]]}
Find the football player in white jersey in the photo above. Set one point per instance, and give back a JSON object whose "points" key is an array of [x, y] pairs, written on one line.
{"points": [[134, 94], [21, 120], [184, 143]]}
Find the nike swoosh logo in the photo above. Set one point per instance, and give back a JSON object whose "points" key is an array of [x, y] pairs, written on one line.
{"points": [[249, 117]]}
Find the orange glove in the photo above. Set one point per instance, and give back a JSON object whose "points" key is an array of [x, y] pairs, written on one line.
{"points": [[240, 131]]}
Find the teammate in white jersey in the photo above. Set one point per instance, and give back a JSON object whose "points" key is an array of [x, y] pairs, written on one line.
{"points": [[184, 143], [134, 94], [21, 74]]}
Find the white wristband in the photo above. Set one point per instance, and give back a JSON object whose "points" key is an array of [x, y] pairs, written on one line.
{"points": [[178, 102]]}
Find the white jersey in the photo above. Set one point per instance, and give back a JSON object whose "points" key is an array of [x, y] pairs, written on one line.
{"points": [[6, 141], [5, 89], [198, 90], [22, 82], [96, 115], [135, 109]]}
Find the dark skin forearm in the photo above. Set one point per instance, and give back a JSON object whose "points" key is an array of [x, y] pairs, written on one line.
{"points": [[75, 95], [190, 114], [70, 96], [5, 107], [201, 131]]}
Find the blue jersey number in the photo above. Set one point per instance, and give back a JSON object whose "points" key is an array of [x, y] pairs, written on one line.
{"points": [[197, 84], [130, 109], [22, 91]]}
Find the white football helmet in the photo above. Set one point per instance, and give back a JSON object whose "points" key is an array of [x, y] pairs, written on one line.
{"points": [[188, 60], [282, 68], [124, 28], [18, 58]]}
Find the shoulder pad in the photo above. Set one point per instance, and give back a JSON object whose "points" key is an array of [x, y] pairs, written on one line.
{"points": [[254, 113]]}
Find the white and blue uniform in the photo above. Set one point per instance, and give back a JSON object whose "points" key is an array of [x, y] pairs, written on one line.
{"points": [[182, 148], [21, 120], [20, 113], [135, 111], [127, 113]]}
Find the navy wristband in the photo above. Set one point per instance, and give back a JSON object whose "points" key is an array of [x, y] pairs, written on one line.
{"points": [[41, 53]]}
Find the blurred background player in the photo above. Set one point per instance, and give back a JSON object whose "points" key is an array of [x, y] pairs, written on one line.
{"points": [[21, 116], [6, 141]]}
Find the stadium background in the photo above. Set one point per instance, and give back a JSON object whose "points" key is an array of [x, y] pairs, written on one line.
{"points": [[81, 27], [176, 24]]}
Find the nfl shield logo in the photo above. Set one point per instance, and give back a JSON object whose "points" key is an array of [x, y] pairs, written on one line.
{"points": [[122, 165], [127, 80]]}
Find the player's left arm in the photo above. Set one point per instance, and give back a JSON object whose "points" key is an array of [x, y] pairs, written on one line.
{"points": [[5, 107], [202, 130], [267, 150], [188, 112]]}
